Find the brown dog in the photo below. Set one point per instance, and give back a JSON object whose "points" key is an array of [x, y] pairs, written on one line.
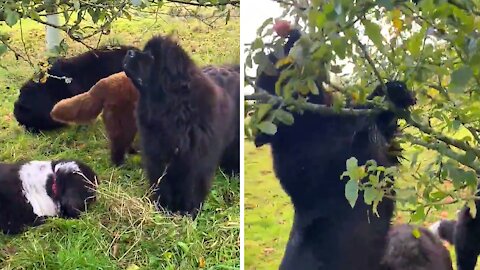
{"points": [[117, 97]]}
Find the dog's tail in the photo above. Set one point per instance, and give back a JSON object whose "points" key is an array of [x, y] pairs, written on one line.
{"points": [[444, 229], [80, 109]]}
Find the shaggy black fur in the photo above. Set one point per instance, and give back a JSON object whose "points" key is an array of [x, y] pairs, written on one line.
{"points": [[407, 252], [465, 236], [185, 120], [467, 239], [36, 100], [72, 193], [309, 158], [445, 229], [228, 77]]}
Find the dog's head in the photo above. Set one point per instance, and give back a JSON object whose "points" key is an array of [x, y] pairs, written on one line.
{"points": [[33, 106], [74, 187]]}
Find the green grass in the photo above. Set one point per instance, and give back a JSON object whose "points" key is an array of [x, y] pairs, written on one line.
{"points": [[269, 214], [121, 230]]}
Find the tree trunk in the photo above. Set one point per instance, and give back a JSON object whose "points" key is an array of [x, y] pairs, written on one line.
{"points": [[53, 35]]}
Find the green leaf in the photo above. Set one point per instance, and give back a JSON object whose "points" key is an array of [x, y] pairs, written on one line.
{"points": [[456, 125], [133, 267], [351, 192], [419, 214], [76, 4], [469, 157], [416, 233], [94, 14], [388, 4], [313, 87], [473, 208], [34, 15], [352, 164], [262, 110], [264, 24], [12, 17], [414, 44], [3, 49], [284, 117], [338, 101], [374, 179], [439, 195], [340, 46], [257, 44], [249, 62], [284, 76], [373, 31], [320, 20], [183, 246], [369, 195], [471, 179], [267, 127], [354, 172], [460, 78]]}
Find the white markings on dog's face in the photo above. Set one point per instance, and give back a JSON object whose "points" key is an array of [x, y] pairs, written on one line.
{"points": [[34, 177], [67, 167]]}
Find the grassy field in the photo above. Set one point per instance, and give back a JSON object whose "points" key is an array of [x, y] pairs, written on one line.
{"points": [[269, 214], [121, 230]]}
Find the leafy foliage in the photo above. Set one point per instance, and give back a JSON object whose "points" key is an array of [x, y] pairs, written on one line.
{"points": [[83, 20], [351, 47]]}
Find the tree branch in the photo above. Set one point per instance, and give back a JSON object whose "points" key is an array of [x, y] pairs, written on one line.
{"points": [[450, 141], [370, 62], [232, 2], [443, 148], [315, 108]]}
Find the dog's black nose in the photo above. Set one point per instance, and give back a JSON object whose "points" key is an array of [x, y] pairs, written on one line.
{"points": [[131, 53]]}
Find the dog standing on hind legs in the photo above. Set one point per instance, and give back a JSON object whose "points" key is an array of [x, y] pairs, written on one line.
{"points": [[309, 157]]}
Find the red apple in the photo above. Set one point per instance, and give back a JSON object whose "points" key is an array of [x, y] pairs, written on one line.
{"points": [[282, 28]]}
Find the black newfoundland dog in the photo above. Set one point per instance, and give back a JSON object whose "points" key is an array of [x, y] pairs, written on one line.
{"points": [[309, 157], [464, 234], [186, 118], [36, 100], [415, 248], [34, 190]]}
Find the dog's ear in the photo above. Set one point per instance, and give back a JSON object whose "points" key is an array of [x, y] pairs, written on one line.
{"points": [[77, 189], [79, 109]]}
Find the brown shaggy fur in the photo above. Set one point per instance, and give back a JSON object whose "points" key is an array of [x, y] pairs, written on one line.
{"points": [[117, 97]]}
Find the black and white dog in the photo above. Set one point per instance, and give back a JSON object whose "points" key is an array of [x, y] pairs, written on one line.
{"points": [[32, 191]]}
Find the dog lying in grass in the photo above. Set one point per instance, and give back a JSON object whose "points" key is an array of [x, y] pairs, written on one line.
{"points": [[117, 97], [36, 99], [31, 191]]}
